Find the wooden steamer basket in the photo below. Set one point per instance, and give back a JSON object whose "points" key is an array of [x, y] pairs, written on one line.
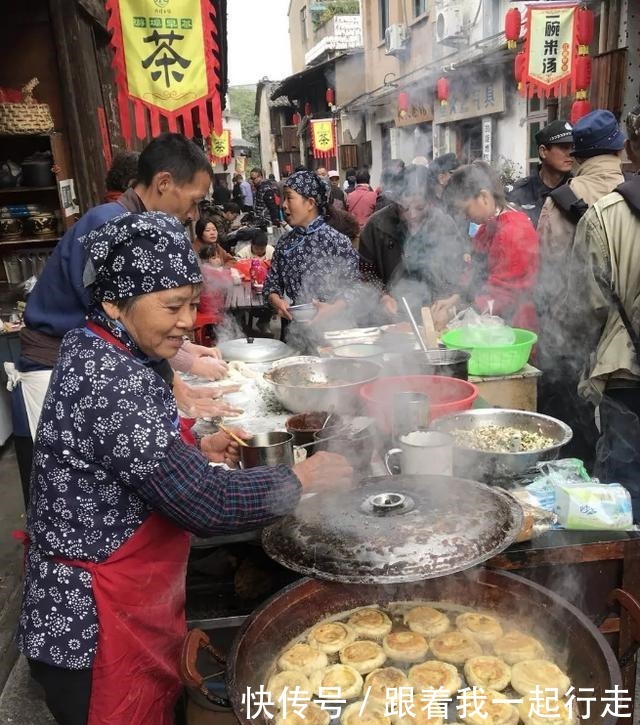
{"points": [[445, 570]]}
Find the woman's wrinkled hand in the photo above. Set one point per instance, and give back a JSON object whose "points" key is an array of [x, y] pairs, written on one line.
{"points": [[324, 471], [443, 311], [221, 448], [209, 367], [389, 304], [280, 306]]}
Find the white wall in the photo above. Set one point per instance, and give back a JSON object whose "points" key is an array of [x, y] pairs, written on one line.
{"points": [[511, 131]]}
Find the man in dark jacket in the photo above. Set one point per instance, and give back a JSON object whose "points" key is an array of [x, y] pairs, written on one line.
{"points": [[266, 198], [555, 143], [411, 247]]}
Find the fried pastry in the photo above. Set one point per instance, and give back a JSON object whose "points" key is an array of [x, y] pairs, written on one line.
{"points": [[371, 623], [482, 627], [311, 714], [455, 647], [434, 675], [405, 646], [330, 637], [302, 657], [417, 716], [427, 621], [545, 710], [363, 655], [289, 680], [489, 673], [341, 678], [480, 707], [372, 714], [386, 678], [516, 646], [528, 675]]}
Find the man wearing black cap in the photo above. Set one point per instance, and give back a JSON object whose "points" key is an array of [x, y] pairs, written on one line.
{"points": [[439, 171], [598, 143], [555, 143]]}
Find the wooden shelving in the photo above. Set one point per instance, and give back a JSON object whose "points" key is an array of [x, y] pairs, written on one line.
{"points": [[14, 244], [26, 189]]}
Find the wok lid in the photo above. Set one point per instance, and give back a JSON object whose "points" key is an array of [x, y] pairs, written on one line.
{"points": [[258, 349], [395, 529]]}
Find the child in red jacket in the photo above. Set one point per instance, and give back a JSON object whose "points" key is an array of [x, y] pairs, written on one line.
{"points": [[504, 260]]}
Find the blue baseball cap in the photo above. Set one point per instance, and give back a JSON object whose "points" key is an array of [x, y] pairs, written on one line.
{"points": [[597, 133]]}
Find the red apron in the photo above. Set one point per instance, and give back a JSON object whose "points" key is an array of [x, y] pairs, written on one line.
{"points": [[140, 594]]}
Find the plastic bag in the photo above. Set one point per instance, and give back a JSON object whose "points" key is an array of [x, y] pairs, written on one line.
{"points": [[485, 330]]}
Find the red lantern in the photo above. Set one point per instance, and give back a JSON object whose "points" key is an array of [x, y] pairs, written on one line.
{"points": [[583, 72], [296, 118], [584, 29], [403, 103], [307, 109], [512, 24], [579, 109], [442, 91], [519, 68], [330, 96]]}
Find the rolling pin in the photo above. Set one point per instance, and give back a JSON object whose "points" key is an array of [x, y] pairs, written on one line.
{"points": [[430, 334]]}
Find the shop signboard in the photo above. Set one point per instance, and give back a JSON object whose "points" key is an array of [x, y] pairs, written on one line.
{"points": [[471, 98]]}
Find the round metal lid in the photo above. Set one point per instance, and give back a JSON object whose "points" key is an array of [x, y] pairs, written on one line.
{"points": [[395, 529], [254, 349]]}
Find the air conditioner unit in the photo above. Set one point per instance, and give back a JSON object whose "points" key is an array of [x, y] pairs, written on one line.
{"points": [[395, 39], [449, 23]]}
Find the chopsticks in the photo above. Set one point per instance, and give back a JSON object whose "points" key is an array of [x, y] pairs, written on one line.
{"points": [[233, 435]]}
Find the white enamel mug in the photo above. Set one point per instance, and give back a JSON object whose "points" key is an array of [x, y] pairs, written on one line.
{"points": [[422, 452]]}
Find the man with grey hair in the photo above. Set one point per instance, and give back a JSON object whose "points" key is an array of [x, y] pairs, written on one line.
{"points": [[605, 247]]}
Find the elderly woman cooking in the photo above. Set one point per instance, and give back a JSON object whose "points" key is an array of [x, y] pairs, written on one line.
{"points": [[313, 262], [115, 491]]}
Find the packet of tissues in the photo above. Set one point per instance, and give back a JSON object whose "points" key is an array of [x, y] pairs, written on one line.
{"points": [[593, 505]]}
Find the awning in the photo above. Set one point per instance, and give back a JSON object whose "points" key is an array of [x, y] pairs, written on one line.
{"points": [[297, 85]]}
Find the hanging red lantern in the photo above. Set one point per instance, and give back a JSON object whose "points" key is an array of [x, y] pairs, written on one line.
{"points": [[512, 25], [442, 91], [403, 104], [583, 72], [296, 118], [307, 109], [330, 96], [519, 66], [579, 109], [584, 29]]}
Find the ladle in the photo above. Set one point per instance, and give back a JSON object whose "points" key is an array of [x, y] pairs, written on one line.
{"points": [[414, 325]]}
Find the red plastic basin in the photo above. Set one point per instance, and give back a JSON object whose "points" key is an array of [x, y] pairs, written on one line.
{"points": [[446, 395]]}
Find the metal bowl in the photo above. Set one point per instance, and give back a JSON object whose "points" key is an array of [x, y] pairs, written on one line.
{"points": [[488, 466], [359, 351], [303, 313], [323, 385]]}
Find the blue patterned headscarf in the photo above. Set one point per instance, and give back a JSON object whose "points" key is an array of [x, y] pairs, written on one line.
{"points": [[311, 186], [135, 254]]}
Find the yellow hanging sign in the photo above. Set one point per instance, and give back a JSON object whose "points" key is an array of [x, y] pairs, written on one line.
{"points": [[323, 138]]}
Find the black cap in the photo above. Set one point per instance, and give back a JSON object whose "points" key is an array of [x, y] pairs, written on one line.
{"points": [[444, 163], [555, 132]]}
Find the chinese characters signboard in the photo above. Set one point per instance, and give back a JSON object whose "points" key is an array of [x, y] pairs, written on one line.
{"points": [[416, 113], [549, 49], [165, 64], [323, 138], [471, 98], [221, 146]]}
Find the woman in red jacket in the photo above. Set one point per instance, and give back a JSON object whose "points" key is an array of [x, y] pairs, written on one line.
{"points": [[504, 260]]}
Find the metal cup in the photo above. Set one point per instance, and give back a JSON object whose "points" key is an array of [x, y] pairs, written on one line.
{"points": [[409, 412], [267, 449]]}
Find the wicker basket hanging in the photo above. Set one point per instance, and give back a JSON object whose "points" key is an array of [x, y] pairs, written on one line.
{"points": [[26, 118]]}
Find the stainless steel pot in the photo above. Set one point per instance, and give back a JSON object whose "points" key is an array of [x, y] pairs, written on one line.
{"points": [[267, 449], [488, 466]]}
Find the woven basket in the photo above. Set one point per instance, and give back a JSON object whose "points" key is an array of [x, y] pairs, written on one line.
{"points": [[25, 118]]}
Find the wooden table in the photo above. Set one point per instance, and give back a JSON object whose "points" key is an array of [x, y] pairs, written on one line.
{"points": [[519, 391], [242, 301], [584, 567]]}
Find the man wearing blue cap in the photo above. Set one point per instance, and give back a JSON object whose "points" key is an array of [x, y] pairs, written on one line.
{"points": [[598, 143], [605, 247]]}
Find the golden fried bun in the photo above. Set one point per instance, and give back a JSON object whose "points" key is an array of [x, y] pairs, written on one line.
{"points": [[311, 714], [330, 637], [419, 715], [489, 673], [516, 646], [427, 621], [304, 658], [341, 678], [289, 680], [386, 678], [405, 646], [543, 674], [482, 627], [363, 655], [455, 647], [370, 623], [545, 710], [372, 714], [481, 707], [434, 675]]}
